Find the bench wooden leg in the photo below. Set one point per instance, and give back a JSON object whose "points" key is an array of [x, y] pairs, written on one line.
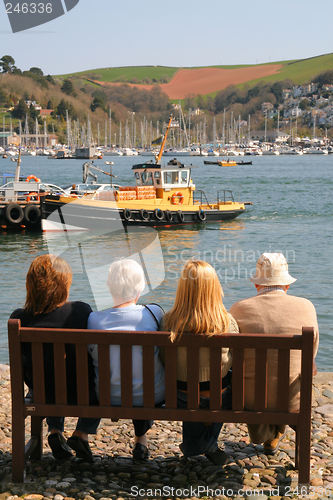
{"points": [[304, 451], [18, 442], [34, 448]]}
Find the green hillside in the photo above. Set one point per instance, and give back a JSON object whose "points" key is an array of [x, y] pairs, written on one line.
{"points": [[138, 74], [299, 71]]}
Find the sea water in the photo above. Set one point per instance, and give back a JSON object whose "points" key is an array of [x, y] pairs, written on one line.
{"points": [[291, 213]]}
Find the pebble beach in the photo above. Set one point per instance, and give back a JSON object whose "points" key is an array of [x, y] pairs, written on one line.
{"points": [[113, 475]]}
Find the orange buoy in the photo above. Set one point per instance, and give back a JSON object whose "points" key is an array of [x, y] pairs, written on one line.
{"points": [[177, 196]]}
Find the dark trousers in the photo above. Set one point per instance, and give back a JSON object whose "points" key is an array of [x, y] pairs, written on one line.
{"points": [[142, 426], [85, 425], [198, 437]]}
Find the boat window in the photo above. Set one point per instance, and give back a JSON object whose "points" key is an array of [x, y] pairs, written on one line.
{"points": [[157, 177], [147, 178], [171, 177], [138, 178], [183, 177]]}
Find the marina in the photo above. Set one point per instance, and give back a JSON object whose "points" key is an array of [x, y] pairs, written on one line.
{"points": [[292, 213]]}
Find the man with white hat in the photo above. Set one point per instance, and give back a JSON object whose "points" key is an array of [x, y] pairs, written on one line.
{"points": [[273, 311]]}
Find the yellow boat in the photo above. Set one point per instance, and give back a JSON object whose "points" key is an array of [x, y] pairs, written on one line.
{"points": [[163, 195], [227, 163]]}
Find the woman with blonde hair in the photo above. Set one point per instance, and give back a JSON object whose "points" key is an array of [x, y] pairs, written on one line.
{"points": [[48, 283], [198, 309]]}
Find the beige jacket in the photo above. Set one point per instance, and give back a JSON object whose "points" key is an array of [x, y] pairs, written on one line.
{"points": [[274, 312], [204, 371]]}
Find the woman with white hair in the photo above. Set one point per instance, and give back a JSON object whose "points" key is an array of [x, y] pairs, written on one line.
{"points": [[126, 282]]}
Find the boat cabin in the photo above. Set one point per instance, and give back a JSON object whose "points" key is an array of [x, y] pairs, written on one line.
{"points": [[174, 175]]}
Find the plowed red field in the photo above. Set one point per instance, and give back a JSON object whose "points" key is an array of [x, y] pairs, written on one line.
{"points": [[190, 82]]}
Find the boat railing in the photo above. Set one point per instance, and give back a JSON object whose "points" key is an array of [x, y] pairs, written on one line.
{"points": [[225, 195], [200, 197]]}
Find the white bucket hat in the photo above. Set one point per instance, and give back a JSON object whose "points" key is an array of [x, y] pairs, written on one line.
{"points": [[272, 269]]}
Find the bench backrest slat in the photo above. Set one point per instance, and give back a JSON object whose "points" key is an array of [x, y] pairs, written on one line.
{"points": [[37, 357], [148, 372], [60, 376], [306, 377], [170, 370], [126, 375], [237, 379], [193, 377], [104, 381], [82, 383], [261, 379], [215, 386], [283, 379]]}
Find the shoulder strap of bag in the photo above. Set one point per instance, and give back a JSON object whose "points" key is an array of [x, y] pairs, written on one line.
{"points": [[153, 315]]}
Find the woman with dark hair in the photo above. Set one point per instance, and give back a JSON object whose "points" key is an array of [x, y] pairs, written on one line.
{"points": [[48, 283]]}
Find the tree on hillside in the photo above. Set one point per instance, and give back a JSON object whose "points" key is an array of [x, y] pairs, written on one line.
{"points": [[36, 71], [20, 110], [34, 113], [50, 79], [3, 97], [277, 89], [97, 102], [7, 64], [304, 104], [225, 98], [62, 107], [67, 87], [324, 78]]}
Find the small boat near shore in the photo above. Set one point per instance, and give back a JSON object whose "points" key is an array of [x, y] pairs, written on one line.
{"points": [[227, 163], [20, 201]]}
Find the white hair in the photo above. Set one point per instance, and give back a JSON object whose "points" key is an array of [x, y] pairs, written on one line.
{"points": [[126, 280]]}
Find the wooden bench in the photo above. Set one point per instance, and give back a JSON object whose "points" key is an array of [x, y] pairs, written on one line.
{"points": [[38, 409]]}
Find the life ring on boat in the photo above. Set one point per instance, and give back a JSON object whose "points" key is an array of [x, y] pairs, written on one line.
{"points": [[14, 213], [144, 214], [32, 197], [180, 216], [202, 215], [177, 198], [32, 214], [32, 177], [127, 214], [168, 216], [159, 214]]}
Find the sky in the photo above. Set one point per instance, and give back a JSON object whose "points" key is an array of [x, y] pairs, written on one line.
{"points": [[105, 33]]}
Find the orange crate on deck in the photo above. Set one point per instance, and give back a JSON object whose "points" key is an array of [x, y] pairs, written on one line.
{"points": [[146, 192], [125, 195]]}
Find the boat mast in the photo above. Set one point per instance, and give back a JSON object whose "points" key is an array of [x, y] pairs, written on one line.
{"points": [[18, 166], [159, 156]]}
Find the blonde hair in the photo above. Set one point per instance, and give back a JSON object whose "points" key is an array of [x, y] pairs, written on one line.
{"points": [[198, 306], [48, 282]]}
